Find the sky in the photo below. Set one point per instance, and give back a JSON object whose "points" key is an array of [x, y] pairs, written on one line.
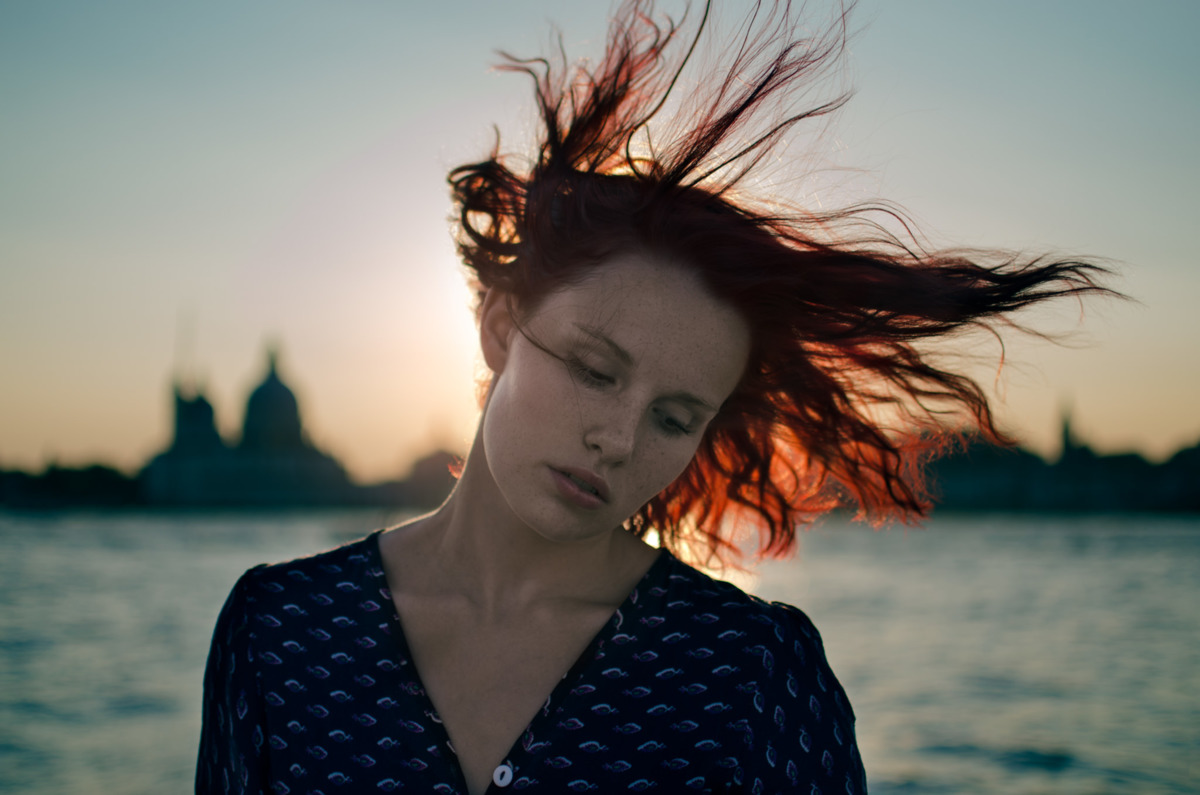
{"points": [[184, 184]]}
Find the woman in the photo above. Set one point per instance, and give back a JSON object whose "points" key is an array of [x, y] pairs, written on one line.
{"points": [[668, 360]]}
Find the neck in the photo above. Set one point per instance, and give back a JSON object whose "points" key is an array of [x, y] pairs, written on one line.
{"points": [[476, 548]]}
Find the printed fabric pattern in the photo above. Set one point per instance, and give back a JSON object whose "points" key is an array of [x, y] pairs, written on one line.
{"points": [[692, 686]]}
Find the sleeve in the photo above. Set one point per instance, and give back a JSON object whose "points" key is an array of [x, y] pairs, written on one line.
{"points": [[811, 746], [231, 759]]}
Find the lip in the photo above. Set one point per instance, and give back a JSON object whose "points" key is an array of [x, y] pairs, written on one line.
{"points": [[573, 491]]}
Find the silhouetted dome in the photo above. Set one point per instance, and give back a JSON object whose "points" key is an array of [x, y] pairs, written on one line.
{"points": [[272, 415]]}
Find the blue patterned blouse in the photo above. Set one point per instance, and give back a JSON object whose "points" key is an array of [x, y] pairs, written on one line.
{"points": [[691, 686]]}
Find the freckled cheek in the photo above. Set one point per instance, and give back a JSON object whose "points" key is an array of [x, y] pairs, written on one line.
{"points": [[546, 400], [662, 467]]}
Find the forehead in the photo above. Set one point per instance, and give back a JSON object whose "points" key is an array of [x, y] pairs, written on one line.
{"points": [[661, 314]]}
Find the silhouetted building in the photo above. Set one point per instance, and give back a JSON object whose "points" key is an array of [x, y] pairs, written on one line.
{"points": [[59, 487], [273, 463], [981, 476]]}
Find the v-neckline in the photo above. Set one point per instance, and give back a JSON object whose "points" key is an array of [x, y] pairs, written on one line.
{"points": [[562, 689]]}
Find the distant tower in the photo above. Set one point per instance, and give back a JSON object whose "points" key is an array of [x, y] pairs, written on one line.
{"points": [[185, 352], [183, 473], [1067, 435], [1073, 451], [195, 424]]}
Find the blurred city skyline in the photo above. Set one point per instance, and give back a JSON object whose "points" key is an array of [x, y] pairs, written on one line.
{"points": [[182, 185]]}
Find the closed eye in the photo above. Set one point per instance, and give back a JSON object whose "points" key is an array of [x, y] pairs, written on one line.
{"points": [[672, 426], [588, 375]]}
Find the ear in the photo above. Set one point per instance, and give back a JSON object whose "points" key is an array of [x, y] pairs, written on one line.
{"points": [[496, 329]]}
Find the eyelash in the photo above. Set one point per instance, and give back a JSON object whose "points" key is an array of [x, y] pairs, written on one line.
{"points": [[587, 375], [671, 426], [596, 379]]}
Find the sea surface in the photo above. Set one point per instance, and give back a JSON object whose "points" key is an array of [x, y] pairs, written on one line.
{"points": [[983, 654]]}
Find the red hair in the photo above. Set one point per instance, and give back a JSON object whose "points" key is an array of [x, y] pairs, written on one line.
{"points": [[836, 303]]}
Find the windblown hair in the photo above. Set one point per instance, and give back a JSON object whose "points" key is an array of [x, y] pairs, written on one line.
{"points": [[839, 405]]}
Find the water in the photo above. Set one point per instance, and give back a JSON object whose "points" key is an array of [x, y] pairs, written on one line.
{"points": [[1014, 655], [982, 654]]}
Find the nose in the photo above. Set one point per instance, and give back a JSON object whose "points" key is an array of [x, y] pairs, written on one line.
{"points": [[611, 433]]}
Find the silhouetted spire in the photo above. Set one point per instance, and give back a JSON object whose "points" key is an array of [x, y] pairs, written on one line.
{"points": [[1067, 435]]}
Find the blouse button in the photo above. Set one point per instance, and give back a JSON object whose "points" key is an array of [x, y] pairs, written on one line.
{"points": [[503, 775]]}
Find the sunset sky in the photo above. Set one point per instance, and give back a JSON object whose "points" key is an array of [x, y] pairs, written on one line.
{"points": [[181, 183]]}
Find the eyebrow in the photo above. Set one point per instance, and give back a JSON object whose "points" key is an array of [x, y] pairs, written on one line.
{"points": [[626, 358], [599, 336]]}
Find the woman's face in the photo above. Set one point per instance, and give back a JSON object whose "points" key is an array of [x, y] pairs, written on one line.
{"points": [[643, 357]]}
